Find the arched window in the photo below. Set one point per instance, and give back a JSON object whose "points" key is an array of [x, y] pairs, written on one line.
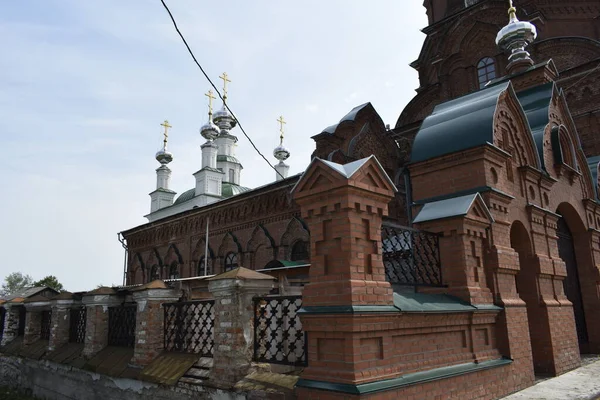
{"points": [[231, 261], [154, 273], [174, 270], [209, 269], [300, 251], [486, 71]]}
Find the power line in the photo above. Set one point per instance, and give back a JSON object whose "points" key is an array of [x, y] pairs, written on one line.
{"points": [[584, 77], [214, 87]]}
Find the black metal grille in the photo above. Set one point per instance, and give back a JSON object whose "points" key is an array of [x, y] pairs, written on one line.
{"points": [[77, 325], [189, 327], [121, 326], [278, 334], [46, 321], [411, 257]]}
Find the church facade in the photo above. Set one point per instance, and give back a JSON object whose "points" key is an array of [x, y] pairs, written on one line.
{"points": [[497, 156]]}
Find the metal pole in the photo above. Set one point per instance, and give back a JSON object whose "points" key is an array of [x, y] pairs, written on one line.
{"points": [[206, 249]]}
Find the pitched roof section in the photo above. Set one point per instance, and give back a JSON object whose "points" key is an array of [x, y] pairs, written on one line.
{"points": [[458, 125], [452, 207], [347, 171], [241, 273], [28, 292]]}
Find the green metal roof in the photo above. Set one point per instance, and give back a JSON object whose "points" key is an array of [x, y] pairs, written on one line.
{"points": [[229, 189], [185, 196], [425, 302], [448, 208], [458, 125], [226, 158]]}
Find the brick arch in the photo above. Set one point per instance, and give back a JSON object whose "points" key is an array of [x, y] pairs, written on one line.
{"points": [[173, 262], [154, 260], [563, 147], [295, 230], [230, 243], [137, 272], [260, 248], [198, 254]]}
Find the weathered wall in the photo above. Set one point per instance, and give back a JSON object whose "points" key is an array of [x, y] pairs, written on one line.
{"points": [[53, 381]]}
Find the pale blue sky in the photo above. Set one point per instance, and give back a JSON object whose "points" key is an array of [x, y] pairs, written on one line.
{"points": [[84, 86]]}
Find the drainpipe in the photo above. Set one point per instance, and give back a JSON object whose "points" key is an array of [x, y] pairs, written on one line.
{"points": [[122, 240], [408, 196]]}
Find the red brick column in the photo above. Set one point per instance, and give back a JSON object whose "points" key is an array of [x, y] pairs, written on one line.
{"points": [[96, 326], [61, 318], [343, 207], [234, 323], [149, 329]]}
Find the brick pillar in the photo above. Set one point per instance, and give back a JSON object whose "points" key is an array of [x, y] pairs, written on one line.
{"points": [[343, 207], [11, 323], [234, 323], [60, 322], [33, 319], [96, 325], [149, 329]]}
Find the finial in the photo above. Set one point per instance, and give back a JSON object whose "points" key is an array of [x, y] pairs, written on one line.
{"points": [[211, 97], [281, 123], [166, 125], [163, 156], [512, 11], [226, 80]]}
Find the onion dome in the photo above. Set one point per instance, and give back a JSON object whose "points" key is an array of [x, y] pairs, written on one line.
{"points": [[224, 119], [514, 37], [209, 131]]}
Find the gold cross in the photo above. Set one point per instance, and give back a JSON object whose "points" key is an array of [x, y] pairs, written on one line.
{"points": [[225, 79], [211, 97], [281, 123], [167, 126]]}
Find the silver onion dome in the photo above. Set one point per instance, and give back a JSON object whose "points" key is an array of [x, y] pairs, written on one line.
{"points": [[164, 157], [281, 153], [209, 131], [224, 119], [515, 36]]}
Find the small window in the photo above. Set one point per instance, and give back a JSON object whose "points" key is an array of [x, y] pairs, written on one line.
{"points": [[201, 271], [300, 251], [486, 71], [174, 271], [231, 175], [231, 261]]}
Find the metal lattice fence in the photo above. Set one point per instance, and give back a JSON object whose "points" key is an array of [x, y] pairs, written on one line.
{"points": [[45, 324], [77, 323], [411, 257], [189, 327], [121, 326], [278, 334]]}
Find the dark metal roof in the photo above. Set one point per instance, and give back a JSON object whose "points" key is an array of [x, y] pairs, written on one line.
{"points": [[458, 125], [351, 116], [448, 208], [28, 292]]}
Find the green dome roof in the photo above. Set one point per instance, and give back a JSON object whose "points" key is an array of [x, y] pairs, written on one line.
{"points": [[223, 157], [185, 196], [231, 189]]}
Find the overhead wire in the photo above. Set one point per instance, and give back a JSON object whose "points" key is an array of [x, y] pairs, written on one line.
{"points": [[215, 88]]}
